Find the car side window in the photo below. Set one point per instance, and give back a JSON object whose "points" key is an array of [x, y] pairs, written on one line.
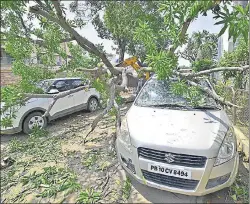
{"points": [[76, 83], [62, 86]]}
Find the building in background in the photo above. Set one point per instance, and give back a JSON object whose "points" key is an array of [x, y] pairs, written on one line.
{"points": [[7, 76]]}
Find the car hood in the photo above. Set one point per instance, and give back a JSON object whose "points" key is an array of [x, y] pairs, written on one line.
{"points": [[194, 132]]}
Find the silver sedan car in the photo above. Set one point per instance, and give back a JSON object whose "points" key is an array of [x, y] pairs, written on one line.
{"points": [[167, 143]]}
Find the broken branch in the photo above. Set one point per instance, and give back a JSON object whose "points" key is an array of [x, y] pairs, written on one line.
{"points": [[209, 71], [106, 110], [212, 94], [83, 42]]}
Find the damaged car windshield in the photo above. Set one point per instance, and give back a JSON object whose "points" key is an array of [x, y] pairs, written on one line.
{"points": [[158, 93]]}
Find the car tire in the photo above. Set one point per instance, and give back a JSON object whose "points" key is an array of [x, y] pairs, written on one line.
{"points": [[92, 104], [35, 118]]}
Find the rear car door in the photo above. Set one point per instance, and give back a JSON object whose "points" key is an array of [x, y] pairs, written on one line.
{"points": [[65, 104], [80, 97]]}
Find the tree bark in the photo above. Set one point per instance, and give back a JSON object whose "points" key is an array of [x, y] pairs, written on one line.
{"points": [[209, 71], [122, 47]]}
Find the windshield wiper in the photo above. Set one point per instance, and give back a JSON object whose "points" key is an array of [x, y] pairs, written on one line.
{"points": [[168, 105], [207, 107]]}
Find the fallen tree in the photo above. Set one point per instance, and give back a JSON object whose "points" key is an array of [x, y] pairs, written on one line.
{"points": [[56, 28]]}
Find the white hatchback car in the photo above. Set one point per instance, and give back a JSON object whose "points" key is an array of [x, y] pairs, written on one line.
{"points": [[30, 115], [167, 143]]}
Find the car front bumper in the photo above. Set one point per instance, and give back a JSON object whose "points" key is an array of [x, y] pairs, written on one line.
{"points": [[201, 174]]}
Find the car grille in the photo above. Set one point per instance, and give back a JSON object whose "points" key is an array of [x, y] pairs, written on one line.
{"points": [[179, 159], [170, 181]]}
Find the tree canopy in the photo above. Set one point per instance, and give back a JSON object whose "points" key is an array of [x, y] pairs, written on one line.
{"points": [[155, 28], [120, 20], [201, 45]]}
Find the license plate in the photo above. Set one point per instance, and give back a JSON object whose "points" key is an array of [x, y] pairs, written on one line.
{"points": [[169, 171]]}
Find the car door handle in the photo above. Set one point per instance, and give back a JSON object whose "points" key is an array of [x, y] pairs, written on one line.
{"points": [[70, 95]]}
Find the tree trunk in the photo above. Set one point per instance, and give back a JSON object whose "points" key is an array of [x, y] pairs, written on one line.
{"points": [[121, 48]]}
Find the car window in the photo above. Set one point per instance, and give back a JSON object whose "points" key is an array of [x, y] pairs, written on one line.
{"points": [[76, 83], [45, 84], [61, 86], [158, 92]]}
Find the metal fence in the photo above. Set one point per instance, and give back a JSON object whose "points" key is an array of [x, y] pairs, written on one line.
{"points": [[239, 116]]}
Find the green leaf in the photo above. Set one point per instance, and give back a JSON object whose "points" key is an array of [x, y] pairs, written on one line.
{"points": [[222, 30], [222, 14], [236, 36], [240, 9], [234, 197], [220, 22], [245, 35]]}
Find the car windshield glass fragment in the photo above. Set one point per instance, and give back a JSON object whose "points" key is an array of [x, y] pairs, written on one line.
{"points": [[158, 93]]}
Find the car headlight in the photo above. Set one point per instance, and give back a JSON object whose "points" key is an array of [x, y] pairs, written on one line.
{"points": [[228, 148], [123, 135]]}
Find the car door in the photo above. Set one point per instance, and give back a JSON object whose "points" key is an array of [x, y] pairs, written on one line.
{"points": [[80, 97], [63, 105]]}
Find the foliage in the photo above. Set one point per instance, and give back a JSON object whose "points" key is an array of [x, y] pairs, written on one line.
{"points": [[157, 29], [201, 45], [236, 21], [51, 181], [89, 196], [126, 189], [39, 144], [119, 23], [177, 16], [190, 93], [221, 88], [237, 57], [202, 64], [100, 85], [90, 159], [81, 58], [17, 146], [239, 191], [34, 48]]}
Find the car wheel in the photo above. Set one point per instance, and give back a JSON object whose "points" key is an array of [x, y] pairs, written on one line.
{"points": [[92, 104], [33, 120]]}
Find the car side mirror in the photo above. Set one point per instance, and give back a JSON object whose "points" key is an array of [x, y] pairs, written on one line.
{"points": [[53, 91]]}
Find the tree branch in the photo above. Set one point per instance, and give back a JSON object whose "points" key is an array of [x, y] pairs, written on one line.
{"points": [[83, 42], [87, 70], [26, 30], [41, 5], [182, 33], [106, 110], [56, 4], [124, 83], [209, 71], [212, 94]]}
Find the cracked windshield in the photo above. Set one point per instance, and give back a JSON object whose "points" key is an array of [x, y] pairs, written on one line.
{"points": [[159, 93], [124, 101]]}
